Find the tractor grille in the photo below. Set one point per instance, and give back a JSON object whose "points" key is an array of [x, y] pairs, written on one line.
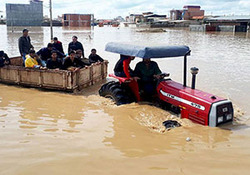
{"points": [[224, 113]]}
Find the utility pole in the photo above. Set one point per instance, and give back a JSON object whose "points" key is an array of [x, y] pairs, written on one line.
{"points": [[51, 22]]}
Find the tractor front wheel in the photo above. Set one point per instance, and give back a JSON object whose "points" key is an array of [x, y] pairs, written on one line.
{"points": [[116, 92]]}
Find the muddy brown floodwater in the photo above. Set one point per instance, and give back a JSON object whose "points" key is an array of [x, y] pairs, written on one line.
{"points": [[48, 132]]}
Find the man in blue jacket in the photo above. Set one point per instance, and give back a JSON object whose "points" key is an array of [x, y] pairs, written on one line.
{"points": [[45, 53]]}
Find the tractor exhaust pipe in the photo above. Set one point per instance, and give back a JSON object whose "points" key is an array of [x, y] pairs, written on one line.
{"points": [[194, 71]]}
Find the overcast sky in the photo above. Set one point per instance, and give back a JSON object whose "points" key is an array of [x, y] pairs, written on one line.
{"points": [[113, 8]]}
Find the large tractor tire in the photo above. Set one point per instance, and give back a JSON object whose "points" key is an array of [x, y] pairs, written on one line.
{"points": [[116, 92]]}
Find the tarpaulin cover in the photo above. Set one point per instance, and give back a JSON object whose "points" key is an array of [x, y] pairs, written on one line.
{"points": [[147, 52]]}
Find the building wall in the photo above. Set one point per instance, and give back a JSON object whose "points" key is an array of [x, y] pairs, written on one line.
{"points": [[192, 9], [224, 23], [24, 14], [77, 20], [176, 14], [189, 14], [136, 18]]}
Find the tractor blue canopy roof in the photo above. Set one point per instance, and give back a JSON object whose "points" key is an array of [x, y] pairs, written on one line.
{"points": [[147, 52]]}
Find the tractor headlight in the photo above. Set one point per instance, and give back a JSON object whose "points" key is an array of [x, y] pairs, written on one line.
{"points": [[229, 116], [220, 119]]}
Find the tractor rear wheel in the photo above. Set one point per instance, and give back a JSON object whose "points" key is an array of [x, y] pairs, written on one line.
{"points": [[116, 92]]}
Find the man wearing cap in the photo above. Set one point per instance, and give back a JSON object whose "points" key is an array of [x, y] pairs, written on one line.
{"points": [[24, 44], [75, 45]]}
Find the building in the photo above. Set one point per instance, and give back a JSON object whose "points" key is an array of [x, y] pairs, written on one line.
{"points": [[145, 17], [189, 12], [25, 14], [176, 14], [192, 12], [134, 18], [154, 17], [229, 23], [119, 19], [77, 20]]}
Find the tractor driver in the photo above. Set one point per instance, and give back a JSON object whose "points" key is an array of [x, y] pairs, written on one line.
{"points": [[148, 71]]}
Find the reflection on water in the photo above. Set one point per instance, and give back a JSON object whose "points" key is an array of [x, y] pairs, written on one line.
{"points": [[46, 131], [11, 43]]}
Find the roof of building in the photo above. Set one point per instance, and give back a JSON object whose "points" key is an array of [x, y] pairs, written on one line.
{"points": [[230, 18], [145, 13], [75, 14], [155, 15], [197, 17], [191, 6], [135, 15], [35, 1]]}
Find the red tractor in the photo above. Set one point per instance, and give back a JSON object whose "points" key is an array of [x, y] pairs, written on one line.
{"points": [[200, 107]]}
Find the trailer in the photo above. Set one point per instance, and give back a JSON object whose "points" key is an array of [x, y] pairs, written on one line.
{"points": [[63, 80]]}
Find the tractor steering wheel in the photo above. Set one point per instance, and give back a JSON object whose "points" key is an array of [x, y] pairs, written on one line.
{"points": [[163, 75]]}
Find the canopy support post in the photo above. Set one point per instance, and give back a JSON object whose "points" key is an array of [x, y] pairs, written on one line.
{"points": [[185, 69]]}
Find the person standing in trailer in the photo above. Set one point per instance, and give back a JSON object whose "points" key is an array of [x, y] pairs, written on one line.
{"points": [[24, 44], [58, 45], [75, 45]]}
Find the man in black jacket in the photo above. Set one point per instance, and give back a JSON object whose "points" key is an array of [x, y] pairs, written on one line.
{"points": [[24, 44], [75, 45], [72, 63], [4, 59], [93, 57], [54, 62], [58, 45]]}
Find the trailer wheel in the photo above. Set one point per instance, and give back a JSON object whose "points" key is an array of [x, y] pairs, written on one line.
{"points": [[116, 92]]}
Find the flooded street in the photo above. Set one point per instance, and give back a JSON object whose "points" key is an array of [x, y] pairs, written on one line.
{"points": [[48, 132]]}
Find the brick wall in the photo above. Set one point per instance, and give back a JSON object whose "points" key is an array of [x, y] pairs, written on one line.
{"points": [[77, 20]]}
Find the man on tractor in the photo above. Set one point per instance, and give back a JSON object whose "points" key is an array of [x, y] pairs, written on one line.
{"points": [[122, 69], [199, 106], [148, 71]]}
